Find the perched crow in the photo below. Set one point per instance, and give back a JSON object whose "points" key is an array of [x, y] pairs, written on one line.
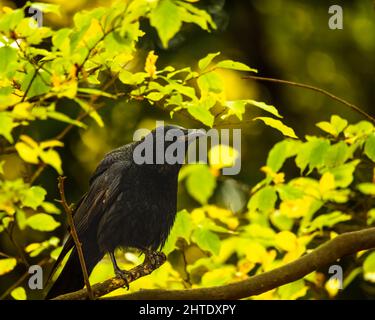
{"points": [[128, 205]]}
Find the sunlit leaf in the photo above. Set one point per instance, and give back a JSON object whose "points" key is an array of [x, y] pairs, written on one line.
{"points": [[234, 65], [207, 240], [200, 183], [369, 268], [33, 197], [42, 222], [19, 293], [278, 125], [204, 62], [370, 147], [7, 265]]}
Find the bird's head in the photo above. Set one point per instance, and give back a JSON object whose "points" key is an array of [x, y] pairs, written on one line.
{"points": [[166, 146]]}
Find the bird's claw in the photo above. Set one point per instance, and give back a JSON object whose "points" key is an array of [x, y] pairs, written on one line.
{"points": [[124, 275]]}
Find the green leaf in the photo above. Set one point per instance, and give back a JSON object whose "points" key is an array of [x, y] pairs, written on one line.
{"points": [[310, 153], [18, 293], [42, 222], [6, 126], [210, 83], [265, 107], [278, 125], [293, 290], [327, 220], [369, 268], [234, 65], [182, 228], [237, 107], [33, 197], [64, 118], [281, 221], [370, 147], [166, 18], [336, 154], [8, 59], [280, 152], [91, 112], [202, 114], [370, 217], [335, 127], [21, 218], [204, 62], [264, 200], [11, 20], [7, 265], [207, 240], [127, 77], [96, 92], [357, 131], [200, 183], [344, 174], [367, 188], [46, 7]]}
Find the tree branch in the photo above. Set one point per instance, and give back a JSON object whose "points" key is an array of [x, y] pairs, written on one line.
{"points": [[100, 289], [325, 255], [74, 234], [306, 86]]}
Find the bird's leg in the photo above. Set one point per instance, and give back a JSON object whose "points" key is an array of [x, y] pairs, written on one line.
{"points": [[123, 274]]}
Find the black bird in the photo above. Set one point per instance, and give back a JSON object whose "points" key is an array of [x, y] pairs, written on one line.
{"points": [[129, 204]]}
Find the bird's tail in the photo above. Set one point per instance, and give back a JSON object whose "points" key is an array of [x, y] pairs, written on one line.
{"points": [[71, 277]]}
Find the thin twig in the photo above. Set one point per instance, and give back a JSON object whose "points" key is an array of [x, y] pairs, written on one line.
{"points": [[74, 234], [19, 249], [37, 173], [306, 86]]}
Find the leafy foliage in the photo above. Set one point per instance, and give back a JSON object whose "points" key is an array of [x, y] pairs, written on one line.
{"points": [[209, 244]]}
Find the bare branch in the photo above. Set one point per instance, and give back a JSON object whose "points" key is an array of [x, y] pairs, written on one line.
{"points": [[74, 234], [306, 86], [325, 255], [100, 289]]}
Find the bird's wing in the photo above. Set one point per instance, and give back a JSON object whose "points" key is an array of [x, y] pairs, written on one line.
{"points": [[102, 192]]}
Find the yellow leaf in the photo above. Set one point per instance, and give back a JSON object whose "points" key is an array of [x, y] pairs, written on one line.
{"points": [[286, 240], [255, 252], [19, 293], [277, 178], [327, 182], [51, 144], [198, 215], [52, 158], [22, 111], [150, 66], [32, 246], [7, 265], [222, 156], [296, 208], [27, 153], [332, 286], [30, 141]]}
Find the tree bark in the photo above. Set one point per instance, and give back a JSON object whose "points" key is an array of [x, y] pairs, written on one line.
{"points": [[325, 255]]}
